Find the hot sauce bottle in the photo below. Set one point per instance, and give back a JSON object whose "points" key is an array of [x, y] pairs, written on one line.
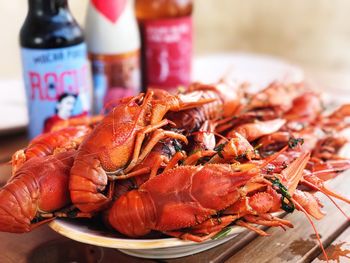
{"points": [[55, 65], [166, 32], [114, 49]]}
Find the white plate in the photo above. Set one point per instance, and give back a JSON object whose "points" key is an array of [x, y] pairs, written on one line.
{"points": [[89, 233], [258, 71]]}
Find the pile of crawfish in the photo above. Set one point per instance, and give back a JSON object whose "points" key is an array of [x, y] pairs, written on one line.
{"points": [[187, 165]]}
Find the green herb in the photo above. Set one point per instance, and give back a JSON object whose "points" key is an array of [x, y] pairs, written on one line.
{"points": [[258, 146], [293, 142], [288, 207], [177, 145], [219, 148], [223, 233]]}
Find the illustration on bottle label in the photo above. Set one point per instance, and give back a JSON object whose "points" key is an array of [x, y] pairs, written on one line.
{"points": [[57, 85], [115, 77], [168, 51]]}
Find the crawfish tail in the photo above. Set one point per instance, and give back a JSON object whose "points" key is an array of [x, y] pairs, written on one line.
{"points": [[41, 184], [18, 205], [133, 214], [46, 144]]}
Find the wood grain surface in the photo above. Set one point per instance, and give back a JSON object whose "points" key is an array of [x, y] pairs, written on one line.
{"points": [[338, 250], [299, 244]]}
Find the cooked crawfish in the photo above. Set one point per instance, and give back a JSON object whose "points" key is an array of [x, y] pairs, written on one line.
{"points": [[181, 189], [49, 143], [38, 188], [115, 146], [225, 103], [164, 156], [244, 162], [151, 207]]}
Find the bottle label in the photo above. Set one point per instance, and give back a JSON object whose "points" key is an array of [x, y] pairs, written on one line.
{"points": [[57, 85], [115, 77], [168, 52]]}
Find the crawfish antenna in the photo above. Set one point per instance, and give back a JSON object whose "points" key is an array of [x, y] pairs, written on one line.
{"points": [[313, 226], [274, 156], [329, 196]]}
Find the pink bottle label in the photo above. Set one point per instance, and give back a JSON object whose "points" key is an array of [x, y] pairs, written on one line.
{"points": [[168, 51]]}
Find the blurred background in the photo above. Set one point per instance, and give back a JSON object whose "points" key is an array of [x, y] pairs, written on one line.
{"points": [[313, 33]]}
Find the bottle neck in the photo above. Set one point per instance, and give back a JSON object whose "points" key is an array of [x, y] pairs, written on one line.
{"points": [[47, 7]]}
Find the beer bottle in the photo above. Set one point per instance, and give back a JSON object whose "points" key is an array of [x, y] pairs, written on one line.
{"points": [[55, 65], [166, 30], [114, 49]]}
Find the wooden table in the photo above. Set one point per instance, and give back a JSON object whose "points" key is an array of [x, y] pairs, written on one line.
{"points": [[294, 245]]}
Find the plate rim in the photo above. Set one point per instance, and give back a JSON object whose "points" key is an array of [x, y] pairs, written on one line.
{"points": [[64, 228]]}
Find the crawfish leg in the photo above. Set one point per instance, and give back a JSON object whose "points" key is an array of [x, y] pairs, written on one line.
{"points": [[268, 220], [138, 172], [157, 165], [174, 160], [205, 230], [189, 236], [69, 212], [192, 159], [139, 140], [250, 227], [158, 135], [43, 222], [75, 215]]}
